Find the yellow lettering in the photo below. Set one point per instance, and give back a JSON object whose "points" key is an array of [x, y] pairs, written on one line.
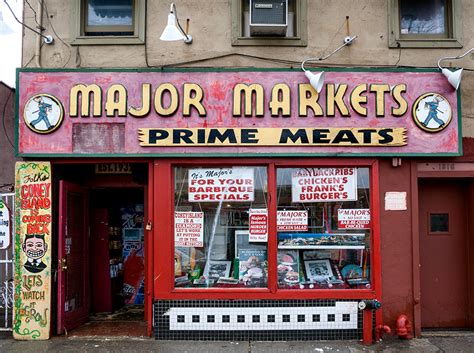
{"points": [[85, 92], [116, 101], [380, 90], [357, 99], [398, 98], [308, 98], [173, 103], [334, 98], [145, 109], [189, 100], [280, 107], [249, 91]]}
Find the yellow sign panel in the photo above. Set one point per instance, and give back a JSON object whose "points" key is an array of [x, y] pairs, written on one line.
{"points": [[363, 136]]}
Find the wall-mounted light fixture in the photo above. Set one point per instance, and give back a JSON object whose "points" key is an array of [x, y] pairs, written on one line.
{"points": [[317, 80], [454, 77], [47, 39], [173, 30]]}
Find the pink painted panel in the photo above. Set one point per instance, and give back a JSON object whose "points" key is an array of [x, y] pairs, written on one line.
{"points": [[218, 101]]}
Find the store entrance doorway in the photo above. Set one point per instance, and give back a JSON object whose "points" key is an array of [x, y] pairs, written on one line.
{"points": [[101, 254], [443, 253]]}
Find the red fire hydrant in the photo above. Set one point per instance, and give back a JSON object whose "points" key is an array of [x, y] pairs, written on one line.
{"points": [[380, 330], [403, 327]]}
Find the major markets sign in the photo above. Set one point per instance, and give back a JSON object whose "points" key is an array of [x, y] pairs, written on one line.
{"points": [[82, 112]]}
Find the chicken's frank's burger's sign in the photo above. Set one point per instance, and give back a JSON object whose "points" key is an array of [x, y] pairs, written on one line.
{"points": [[81, 112]]}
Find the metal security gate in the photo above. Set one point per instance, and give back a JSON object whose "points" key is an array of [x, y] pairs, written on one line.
{"points": [[6, 270]]}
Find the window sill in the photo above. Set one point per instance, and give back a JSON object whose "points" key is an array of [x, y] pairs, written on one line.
{"points": [[425, 43], [108, 40], [270, 41]]}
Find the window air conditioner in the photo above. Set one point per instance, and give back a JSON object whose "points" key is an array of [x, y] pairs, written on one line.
{"points": [[268, 17]]}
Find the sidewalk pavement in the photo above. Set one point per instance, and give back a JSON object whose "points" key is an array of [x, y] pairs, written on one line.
{"points": [[431, 342]]}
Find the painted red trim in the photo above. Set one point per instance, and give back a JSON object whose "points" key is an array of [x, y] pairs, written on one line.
{"points": [[252, 293], [415, 231], [163, 249], [77, 317], [376, 268], [164, 245], [149, 191], [272, 245], [60, 283], [367, 337]]}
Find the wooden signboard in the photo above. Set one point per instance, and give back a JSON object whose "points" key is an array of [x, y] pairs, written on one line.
{"points": [[32, 279]]}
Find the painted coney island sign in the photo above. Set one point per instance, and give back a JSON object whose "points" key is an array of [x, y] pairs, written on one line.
{"points": [[133, 113]]}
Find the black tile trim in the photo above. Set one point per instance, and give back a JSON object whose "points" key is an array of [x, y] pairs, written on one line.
{"points": [[162, 324]]}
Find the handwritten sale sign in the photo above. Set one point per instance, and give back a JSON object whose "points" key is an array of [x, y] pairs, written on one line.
{"points": [[221, 184], [188, 229], [294, 221], [353, 219], [258, 225], [324, 184]]}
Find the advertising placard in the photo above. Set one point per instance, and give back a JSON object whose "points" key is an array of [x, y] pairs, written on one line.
{"points": [[257, 112], [292, 221], [32, 278], [188, 229], [358, 218], [221, 184], [258, 225], [324, 184], [5, 226]]}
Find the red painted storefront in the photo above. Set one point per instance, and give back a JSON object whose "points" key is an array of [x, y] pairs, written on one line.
{"points": [[394, 240]]}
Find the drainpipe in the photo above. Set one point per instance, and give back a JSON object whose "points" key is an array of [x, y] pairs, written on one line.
{"points": [[39, 19]]}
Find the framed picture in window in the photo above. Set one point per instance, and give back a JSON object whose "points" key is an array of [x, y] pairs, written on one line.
{"points": [[217, 269], [318, 270]]}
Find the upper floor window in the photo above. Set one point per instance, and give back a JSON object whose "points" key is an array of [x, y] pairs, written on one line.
{"points": [[269, 22], [106, 17], [109, 22], [425, 24]]}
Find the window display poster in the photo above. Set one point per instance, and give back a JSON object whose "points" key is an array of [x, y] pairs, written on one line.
{"points": [[324, 184], [188, 229], [292, 221], [353, 218], [258, 225], [221, 184]]}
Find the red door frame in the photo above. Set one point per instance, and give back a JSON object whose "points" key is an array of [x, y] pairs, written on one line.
{"points": [[149, 241], [417, 174], [163, 219], [70, 320]]}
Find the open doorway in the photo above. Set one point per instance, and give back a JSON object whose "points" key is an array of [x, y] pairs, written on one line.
{"points": [[101, 251]]}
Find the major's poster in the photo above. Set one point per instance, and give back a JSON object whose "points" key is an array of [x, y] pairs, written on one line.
{"points": [[32, 251], [353, 218], [188, 229], [221, 184], [292, 221], [258, 225], [324, 184]]}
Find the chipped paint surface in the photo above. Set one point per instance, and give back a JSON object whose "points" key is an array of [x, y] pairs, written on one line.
{"points": [[218, 98]]}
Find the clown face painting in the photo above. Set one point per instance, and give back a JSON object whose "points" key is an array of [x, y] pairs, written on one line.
{"points": [[35, 248]]}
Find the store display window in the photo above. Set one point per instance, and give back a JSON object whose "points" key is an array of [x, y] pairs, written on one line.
{"points": [[323, 227], [320, 236], [212, 214]]}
